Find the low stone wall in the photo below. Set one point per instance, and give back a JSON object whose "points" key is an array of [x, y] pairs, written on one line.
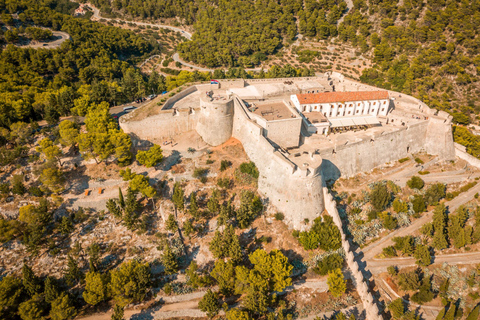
{"points": [[461, 152], [369, 303]]}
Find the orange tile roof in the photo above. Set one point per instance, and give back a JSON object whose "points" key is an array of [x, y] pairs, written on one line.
{"points": [[331, 97]]}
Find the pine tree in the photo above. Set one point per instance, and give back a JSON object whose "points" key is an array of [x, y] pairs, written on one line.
{"points": [[171, 224], [169, 260], [474, 314], [117, 312], [73, 274], [66, 226], [439, 223], [178, 196], [213, 204], [62, 308], [31, 309], [31, 282], [422, 254], [188, 228], [121, 201], [95, 288], [209, 303], [51, 291], [336, 283], [193, 205]]}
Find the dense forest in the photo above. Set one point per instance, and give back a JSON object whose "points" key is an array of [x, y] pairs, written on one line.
{"points": [[429, 50], [237, 33], [93, 67]]}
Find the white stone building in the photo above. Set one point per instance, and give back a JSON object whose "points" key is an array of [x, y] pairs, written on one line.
{"points": [[321, 111]]}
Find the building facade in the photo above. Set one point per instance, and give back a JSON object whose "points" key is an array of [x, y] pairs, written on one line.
{"points": [[361, 107]]}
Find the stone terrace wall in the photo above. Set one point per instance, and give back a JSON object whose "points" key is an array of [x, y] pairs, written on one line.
{"points": [[369, 303], [295, 192]]}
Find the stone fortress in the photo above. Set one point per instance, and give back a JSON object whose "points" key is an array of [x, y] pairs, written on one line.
{"points": [[301, 133]]}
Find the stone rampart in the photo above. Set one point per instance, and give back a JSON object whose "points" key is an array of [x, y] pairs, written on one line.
{"points": [[294, 191], [362, 156], [165, 125], [176, 97], [461, 152], [371, 308]]}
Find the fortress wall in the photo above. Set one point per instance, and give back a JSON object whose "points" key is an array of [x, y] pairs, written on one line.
{"points": [[363, 156], [276, 80], [439, 138], [165, 125], [298, 195], [369, 304], [286, 132], [461, 152], [231, 83], [182, 94]]}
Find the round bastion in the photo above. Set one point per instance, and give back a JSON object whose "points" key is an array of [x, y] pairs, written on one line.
{"points": [[215, 119]]}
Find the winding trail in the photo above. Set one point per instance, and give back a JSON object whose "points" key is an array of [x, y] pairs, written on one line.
{"points": [[96, 16], [59, 36]]}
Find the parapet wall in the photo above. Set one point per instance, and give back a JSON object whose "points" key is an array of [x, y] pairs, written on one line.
{"points": [[295, 192], [369, 304]]}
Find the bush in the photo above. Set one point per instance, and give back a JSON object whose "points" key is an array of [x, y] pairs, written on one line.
{"points": [[389, 252], [404, 160], [419, 161], [199, 172], [35, 191], [224, 165], [279, 216], [380, 196], [415, 183], [329, 263], [418, 204], [250, 169], [224, 183]]}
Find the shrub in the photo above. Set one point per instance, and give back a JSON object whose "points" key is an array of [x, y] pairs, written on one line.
{"points": [[224, 165], [329, 263], [380, 197], [389, 251], [409, 281], [419, 161], [279, 216], [224, 183], [35, 191], [199, 172], [403, 160], [415, 183], [249, 168], [418, 204]]}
